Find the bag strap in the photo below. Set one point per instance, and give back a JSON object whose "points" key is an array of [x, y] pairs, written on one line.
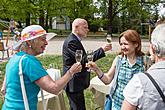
{"points": [[156, 86], [118, 64], [26, 104], [43, 100]]}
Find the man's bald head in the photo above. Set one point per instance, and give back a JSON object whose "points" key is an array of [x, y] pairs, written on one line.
{"points": [[80, 27], [78, 21]]}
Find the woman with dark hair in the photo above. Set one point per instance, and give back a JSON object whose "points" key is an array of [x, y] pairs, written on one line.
{"points": [[130, 60]]}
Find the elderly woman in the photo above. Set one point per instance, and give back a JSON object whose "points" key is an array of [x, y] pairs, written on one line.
{"points": [[33, 42], [130, 61]]}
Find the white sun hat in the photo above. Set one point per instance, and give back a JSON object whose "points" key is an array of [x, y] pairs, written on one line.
{"points": [[32, 32]]}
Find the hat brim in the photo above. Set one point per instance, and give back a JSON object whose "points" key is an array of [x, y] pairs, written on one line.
{"points": [[49, 36], [17, 45]]}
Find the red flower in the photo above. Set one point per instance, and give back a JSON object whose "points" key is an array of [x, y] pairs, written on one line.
{"points": [[32, 33]]}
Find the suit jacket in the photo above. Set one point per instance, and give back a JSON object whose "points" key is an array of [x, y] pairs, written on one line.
{"points": [[81, 80]]}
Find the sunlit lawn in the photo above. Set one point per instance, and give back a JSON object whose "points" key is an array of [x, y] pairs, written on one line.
{"points": [[103, 63]]}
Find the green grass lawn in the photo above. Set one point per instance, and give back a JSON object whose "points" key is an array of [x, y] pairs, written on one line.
{"points": [[103, 63]]}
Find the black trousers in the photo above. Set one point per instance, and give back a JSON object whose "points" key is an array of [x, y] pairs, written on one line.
{"points": [[76, 100]]}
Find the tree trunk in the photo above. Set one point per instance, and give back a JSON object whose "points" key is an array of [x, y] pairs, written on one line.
{"points": [[50, 22], [28, 19], [142, 20], [46, 25], [41, 18], [110, 17], [123, 20]]}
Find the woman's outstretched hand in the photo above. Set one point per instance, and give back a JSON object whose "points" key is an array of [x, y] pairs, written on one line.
{"points": [[93, 66]]}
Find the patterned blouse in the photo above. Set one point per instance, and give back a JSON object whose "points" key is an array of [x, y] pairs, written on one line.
{"points": [[126, 72]]}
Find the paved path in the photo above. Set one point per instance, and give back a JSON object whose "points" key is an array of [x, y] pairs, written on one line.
{"points": [[55, 45]]}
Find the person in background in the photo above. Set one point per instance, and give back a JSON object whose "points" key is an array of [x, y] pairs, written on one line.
{"points": [[33, 42], [131, 62], [140, 92], [76, 86], [12, 26], [1, 35]]}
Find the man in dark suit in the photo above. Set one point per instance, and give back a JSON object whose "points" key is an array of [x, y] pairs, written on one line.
{"points": [[80, 81]]}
